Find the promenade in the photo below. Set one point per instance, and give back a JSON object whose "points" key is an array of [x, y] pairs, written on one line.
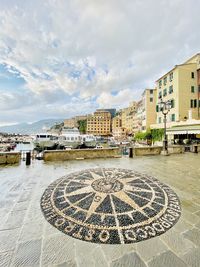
{"points": [[27, 239]]}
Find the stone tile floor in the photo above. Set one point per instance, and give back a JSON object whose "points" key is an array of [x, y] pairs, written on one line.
{"points": [[27, 239]]}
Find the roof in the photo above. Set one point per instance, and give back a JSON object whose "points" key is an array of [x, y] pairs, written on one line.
{"points": [[185, 63], [184, 129]]}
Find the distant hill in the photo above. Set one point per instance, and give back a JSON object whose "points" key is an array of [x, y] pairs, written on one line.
{"points": [[30, 128]]}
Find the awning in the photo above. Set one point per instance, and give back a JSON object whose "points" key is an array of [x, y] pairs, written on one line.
{"points": [[184, 129]]}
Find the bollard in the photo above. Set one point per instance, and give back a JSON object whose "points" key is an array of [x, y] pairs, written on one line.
{"points": [[28, 158], [130, 152]]}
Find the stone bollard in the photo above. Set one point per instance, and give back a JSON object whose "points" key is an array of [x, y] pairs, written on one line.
{"points": [[28, 158], [130, 152]]}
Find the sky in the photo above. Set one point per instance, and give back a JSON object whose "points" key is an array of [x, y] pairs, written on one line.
{"points": [[60, 58]]}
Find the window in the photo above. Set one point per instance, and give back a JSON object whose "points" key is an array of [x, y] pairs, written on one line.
{"points": [[192, 75], [165, 80], [172, 103], [193, 103], [160, 83], [159, 120], [151, 99], [173, 117], [151, 92], [157, 108], [171, 89], [192, 89], [165, 92], [160, 95], [171, 76]]}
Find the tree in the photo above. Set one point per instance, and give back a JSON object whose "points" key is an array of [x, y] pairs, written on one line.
{"points": [[82, 126], [157, 134]]}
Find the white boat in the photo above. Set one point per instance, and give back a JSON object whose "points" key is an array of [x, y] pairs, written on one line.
{"points": [[45, 140], [71, 137]]}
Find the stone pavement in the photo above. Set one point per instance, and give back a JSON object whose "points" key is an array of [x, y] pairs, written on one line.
{"points": [[27, 239]]}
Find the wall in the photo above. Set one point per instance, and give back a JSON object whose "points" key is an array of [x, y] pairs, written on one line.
{"points": [[60, 155], [178, 149], [10, 157], [143, 151]]}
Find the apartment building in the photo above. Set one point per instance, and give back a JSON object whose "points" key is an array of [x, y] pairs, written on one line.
{"points": [[73, 122], [128, 117], [148, 108], [70, 123], [99, 123], [181, 86]]}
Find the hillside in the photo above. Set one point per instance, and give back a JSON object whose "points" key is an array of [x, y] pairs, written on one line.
{"points": [[30, 128]]}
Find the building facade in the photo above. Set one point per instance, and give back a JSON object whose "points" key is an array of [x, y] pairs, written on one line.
{"points": [[128, 116], [99, 123], [148, 109], [180, 86]]}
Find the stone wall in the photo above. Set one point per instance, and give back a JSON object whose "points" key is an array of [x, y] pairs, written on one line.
{"points": [[195, 148], [60, 155], [177, 149], [10, 157], [147, 150]]}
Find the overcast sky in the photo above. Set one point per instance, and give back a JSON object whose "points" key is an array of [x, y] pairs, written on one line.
{"points": [[60, 58]]}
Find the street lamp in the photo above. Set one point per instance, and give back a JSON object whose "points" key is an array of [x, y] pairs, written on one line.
{"points": [[165, 107]]}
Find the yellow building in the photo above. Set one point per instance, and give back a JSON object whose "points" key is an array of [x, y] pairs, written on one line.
{"points": [[70, 123], [181, 86], [128, 117], [99, 123], [116, 122], [148, 108], [73, 122]]}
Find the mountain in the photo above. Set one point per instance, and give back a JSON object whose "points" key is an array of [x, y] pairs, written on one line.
{"points": [[30, 128]]}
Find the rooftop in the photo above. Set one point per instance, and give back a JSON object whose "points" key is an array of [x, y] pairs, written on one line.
{"points": [[27, 239]]}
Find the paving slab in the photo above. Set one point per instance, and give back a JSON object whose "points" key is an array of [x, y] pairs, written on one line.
{"points": [[27, 254], [150, 248], [57, 249], [167, 259], [176, 242], [8, 239], [192, 257], [129, 260], [193, 235], [5, 258]]}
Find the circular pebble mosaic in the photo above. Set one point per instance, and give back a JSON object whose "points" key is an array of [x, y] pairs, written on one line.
{"points": [[110, 206]]}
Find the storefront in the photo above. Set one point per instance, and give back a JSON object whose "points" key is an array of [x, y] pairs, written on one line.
{"points": [[184, 133]]}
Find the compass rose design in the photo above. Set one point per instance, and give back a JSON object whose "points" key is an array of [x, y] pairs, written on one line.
{"points": [[111, 206]]}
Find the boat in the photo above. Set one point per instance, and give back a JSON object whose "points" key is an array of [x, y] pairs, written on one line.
{"points": [[88, 139], [71, 137], [45, 140]]}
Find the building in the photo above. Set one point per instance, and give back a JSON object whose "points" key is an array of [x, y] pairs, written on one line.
{"points": [[73, 122], [70, 123], [118, 132], [116, 122], [99, 123], [128, 117], [148, 108], [181, 86]]}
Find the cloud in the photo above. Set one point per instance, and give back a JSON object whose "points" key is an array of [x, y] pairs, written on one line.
{"points": [[90, 49], [120, 100]]}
